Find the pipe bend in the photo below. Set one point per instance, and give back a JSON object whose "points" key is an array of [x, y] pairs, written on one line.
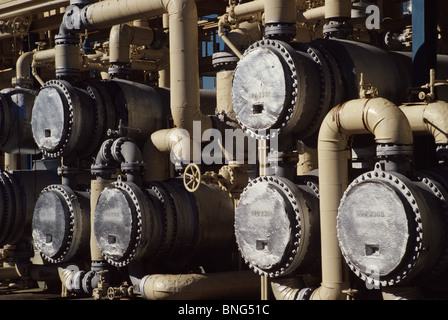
{"points": [[378, 116], [435, 118], [389, 125], [125, 150], [23, 63], [289, 288]]}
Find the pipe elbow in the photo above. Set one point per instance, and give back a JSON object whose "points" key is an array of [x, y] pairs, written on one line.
{"points": [[121, 37], [124, 150], [435, 119], [387, 122], [290, 288], [378, 116]]}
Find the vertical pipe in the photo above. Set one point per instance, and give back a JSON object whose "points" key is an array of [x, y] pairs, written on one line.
{"points": [[97, 186], [338, 9], [389, 125], [424, 40], [280, 11]]}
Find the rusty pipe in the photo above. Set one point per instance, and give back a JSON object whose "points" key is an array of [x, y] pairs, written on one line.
{"points": [[389, 125]]}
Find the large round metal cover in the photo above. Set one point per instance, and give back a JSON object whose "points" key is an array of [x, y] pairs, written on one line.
{"points": [[50, 224], [266, 226], [114, 226], [261, 89], [372, 227], [49, 118]]}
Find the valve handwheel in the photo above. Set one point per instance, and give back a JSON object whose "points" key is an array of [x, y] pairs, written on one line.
{"points": [[192, 177]]}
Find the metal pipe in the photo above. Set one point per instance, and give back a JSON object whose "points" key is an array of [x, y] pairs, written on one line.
{"points": [[338, 9], [289, 288], [183, 38], [128, 154], [122, 36], [222, 35], [389, 125], [429, 118], [96, 187], [280, 11], [22, 69], [177, 143], [247, 8], [238, 284], [311, 14]]}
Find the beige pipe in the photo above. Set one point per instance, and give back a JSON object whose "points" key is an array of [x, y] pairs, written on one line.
{"points": [[338, 9], [283, 11], [183, 39], [164, 75], [230, 285], [96, 187], [177, 143], [389, 125], [429, 118], [311, 14], [222, 35], [287, 288], [122, 36], [247, 9], [68, 57], [22, 65], [43, 57], [9, 273]]}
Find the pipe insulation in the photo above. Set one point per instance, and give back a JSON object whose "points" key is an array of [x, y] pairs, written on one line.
{"points": [[389, 126]]}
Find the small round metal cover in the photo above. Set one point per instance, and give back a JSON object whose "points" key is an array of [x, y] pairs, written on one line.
{"points": [[268, 226], [51, 224], [52, 116], [120, 222], [264, 89], [378, 229]]}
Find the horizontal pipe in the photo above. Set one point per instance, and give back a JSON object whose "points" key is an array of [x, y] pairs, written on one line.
{"points": [[311, 14], [389, 125], [247, 8], [222, 285], [183, 38]]}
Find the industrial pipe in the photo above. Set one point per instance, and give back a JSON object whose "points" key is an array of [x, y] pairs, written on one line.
{"points": [[289, 288], [338, 9], [237, 284], [22, 78], [431, 118], [177, 143], [390, 126], [122, 36], [120, 151], [311, 14], [183, 46]]}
